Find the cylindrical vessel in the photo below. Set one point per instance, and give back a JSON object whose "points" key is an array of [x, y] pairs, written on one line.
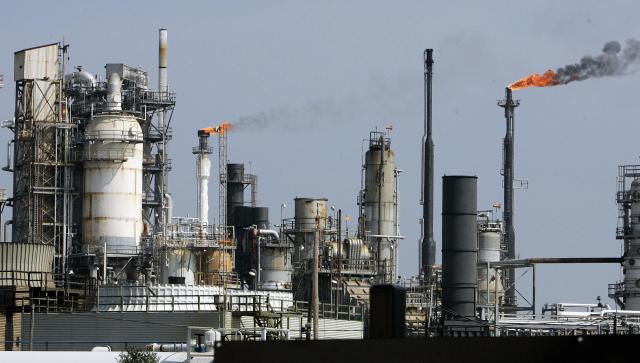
{"points": [[275, 263], [310, 216], [216, 264], [112, 197], [260, 217], [235, 191], [459, 246], [204, 172], [162, 61], [380, 203], [489, 250], [180, 263], [632, 257]]}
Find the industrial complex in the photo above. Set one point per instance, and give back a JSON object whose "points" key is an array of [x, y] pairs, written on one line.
{"points": [[93, 255]]}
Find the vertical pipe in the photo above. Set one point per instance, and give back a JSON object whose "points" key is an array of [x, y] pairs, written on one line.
{"points": [[163, 89], [508, 165], [314, 281], [459, 246], [428, 243], [382, 263], [339, 259]]}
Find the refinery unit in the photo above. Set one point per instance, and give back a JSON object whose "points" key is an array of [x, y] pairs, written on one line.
{"points": [[94, 241]]}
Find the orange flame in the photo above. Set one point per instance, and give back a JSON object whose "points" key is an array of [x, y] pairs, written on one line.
{"points": [[220, 129], [535, 80]]}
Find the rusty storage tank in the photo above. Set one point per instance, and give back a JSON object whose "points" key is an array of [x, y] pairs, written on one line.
{"points": [[310, 216]]}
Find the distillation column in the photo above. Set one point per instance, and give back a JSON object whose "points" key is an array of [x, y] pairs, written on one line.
{"points": [[632, 254], [112, 198], [380, 204]]}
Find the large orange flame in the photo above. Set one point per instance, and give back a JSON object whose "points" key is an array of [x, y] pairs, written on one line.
{"points": [[220, 129], [535, 80]]}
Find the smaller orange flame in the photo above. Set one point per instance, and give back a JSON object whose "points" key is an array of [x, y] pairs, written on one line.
{"points": [[220, 129], [535, 80]]}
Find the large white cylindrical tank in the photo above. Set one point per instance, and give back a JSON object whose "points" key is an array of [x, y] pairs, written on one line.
{"points": [[204, 172], [310, 216], [112, 197], [632, 257], [380, 203], [489, 241]]}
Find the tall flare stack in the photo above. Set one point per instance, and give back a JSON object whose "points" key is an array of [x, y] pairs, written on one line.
{"points": [[428, 244], [509, 105]]}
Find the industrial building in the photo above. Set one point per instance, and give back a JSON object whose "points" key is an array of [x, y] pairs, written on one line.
{"points": [[95, 243]]}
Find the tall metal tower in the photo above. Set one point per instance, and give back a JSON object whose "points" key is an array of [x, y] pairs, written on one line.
{"points": [[43, 152], [509, 105]]}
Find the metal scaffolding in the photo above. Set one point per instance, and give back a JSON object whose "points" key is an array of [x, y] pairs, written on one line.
{"points": [[43, 165]]}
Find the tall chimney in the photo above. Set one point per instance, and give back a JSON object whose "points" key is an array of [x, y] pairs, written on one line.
{"points": [[428, 244], [509, 106], [162, 61]]}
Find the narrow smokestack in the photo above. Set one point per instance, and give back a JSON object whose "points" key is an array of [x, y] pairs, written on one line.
{"points": [[163, 87], [509, 106], [428, 253]]}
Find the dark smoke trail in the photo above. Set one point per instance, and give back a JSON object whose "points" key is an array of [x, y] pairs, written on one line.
{"points": [[610, 63]]}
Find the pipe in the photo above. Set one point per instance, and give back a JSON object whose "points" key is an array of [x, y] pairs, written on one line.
{"points": [[428, 255], [6, 224], [382, 263], [526, 262], [114, 93], [269, 232]]}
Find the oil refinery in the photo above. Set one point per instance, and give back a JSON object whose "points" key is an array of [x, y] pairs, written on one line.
{"points": [[93, 255]]}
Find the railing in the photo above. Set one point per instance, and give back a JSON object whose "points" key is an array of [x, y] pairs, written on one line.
{"points": [[26, 278], [616, 289], [218, 278], [347, 265], [329, 311], [150, 96], [112, 135], [99, 155], [84, 345]]}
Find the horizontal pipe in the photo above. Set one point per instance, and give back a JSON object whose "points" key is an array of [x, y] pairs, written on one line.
{"points": [[549, 260], [269, 232]]}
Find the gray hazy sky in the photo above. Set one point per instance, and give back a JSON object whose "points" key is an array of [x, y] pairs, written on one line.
{"points": [[330, 71]]}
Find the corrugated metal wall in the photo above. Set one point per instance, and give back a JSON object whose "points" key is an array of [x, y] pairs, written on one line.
{"points": [[10, 325], [18, 259], [85, 330]]}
